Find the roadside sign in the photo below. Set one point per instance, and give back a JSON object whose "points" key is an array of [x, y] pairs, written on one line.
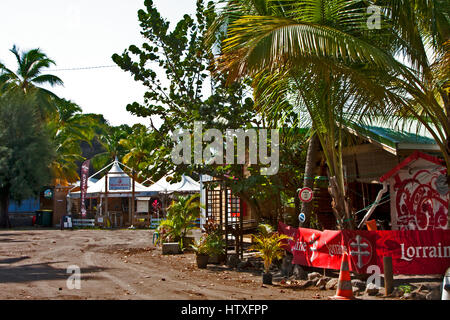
{"points": [[305, 194], [301, 217]]}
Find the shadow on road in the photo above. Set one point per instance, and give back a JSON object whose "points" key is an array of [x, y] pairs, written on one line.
{"points": [[39, 272]]}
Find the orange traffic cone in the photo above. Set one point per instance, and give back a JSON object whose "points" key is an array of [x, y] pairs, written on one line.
{"points": [[344, 290]]}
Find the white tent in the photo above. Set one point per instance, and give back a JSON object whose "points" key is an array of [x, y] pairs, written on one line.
{"points": [[187, 184], [119, 185]]}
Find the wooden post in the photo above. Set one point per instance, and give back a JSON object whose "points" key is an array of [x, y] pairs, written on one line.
{"points": [[388, 275], [106, 215], [241, 229], [133, 198]]}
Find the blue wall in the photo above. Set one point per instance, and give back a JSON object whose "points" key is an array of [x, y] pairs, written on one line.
{"points": [[29, 205]]}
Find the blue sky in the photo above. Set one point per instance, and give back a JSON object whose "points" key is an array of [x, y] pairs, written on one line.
{"points": [[84, 33]]}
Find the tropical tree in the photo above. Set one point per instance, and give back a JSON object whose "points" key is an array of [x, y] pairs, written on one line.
{"points": [[26, 150], [312, 56], [110, 141], [190, 94], [30, 77], [138, 146], [69, 127]]}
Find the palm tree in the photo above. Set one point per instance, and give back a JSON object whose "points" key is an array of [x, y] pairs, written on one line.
{"points": [[110, 141], [314, 56], [68, 128], [30, 77], [138, 147]]}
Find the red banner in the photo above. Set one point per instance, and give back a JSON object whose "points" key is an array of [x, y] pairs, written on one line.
{"points": [[412, 252], [84, 186]]}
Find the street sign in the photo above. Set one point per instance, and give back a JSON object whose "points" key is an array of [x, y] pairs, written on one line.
{"points": [[305, 194], [301, 217]]}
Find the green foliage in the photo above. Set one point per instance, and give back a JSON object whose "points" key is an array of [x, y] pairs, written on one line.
{"points": [[29, 78], [181, 216], [68, 128], [405, 288], [269, 245], [212, 244], [25, 150], [320, 61], [182, 97], [109, 139], [201, 247]]}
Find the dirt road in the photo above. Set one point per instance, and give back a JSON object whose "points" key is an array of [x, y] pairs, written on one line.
{"points": [[120, 264]]}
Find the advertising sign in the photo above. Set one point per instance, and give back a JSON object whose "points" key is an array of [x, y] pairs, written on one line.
{"points": [[84, 185], [119, 183], [412, 251]]}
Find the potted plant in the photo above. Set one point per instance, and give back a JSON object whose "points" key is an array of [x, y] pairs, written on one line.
{"points": [[215, 241], [269, 245], [181, 216], [201, 252], [216, 245]]}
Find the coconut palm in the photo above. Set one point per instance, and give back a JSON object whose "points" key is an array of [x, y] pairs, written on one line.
{"points": [[314, 56], [68, 128], [30, 77], [138, 146], [110, 141]]}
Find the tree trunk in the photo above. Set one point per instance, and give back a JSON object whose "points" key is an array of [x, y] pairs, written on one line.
{"points": [[341, 207], [4, 204], [310, 166], [446, 99]]}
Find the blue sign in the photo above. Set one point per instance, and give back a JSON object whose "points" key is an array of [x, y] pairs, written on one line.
{"points": [[301, 217]]}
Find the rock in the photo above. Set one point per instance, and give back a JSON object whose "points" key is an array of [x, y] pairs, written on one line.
{"points": [[322, 287], [356, 291], [322, 282], [331, 285], [299, 273], [419, 295], [361, 285], [407, 295], [372, 289], [314, 276], [435, 294], [396, 293], [307, 283], [233, 261]]}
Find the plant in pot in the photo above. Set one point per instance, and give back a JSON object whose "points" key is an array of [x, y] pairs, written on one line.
{"points": [[269, 245], [216, 242], [181, 216], [201, 252], [216, 245]]}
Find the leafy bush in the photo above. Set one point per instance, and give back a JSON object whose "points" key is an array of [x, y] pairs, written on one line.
{"points": [[181, 216], [269, 245]]}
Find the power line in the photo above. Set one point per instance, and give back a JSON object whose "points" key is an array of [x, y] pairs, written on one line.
{"points": [[83, 68]]}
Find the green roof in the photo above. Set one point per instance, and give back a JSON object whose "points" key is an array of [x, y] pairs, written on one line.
{"points": [[393, 137]]}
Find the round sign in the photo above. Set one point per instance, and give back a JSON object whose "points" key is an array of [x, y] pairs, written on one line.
{"points": [[301, 217], [48, 194], [305, 194]]}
